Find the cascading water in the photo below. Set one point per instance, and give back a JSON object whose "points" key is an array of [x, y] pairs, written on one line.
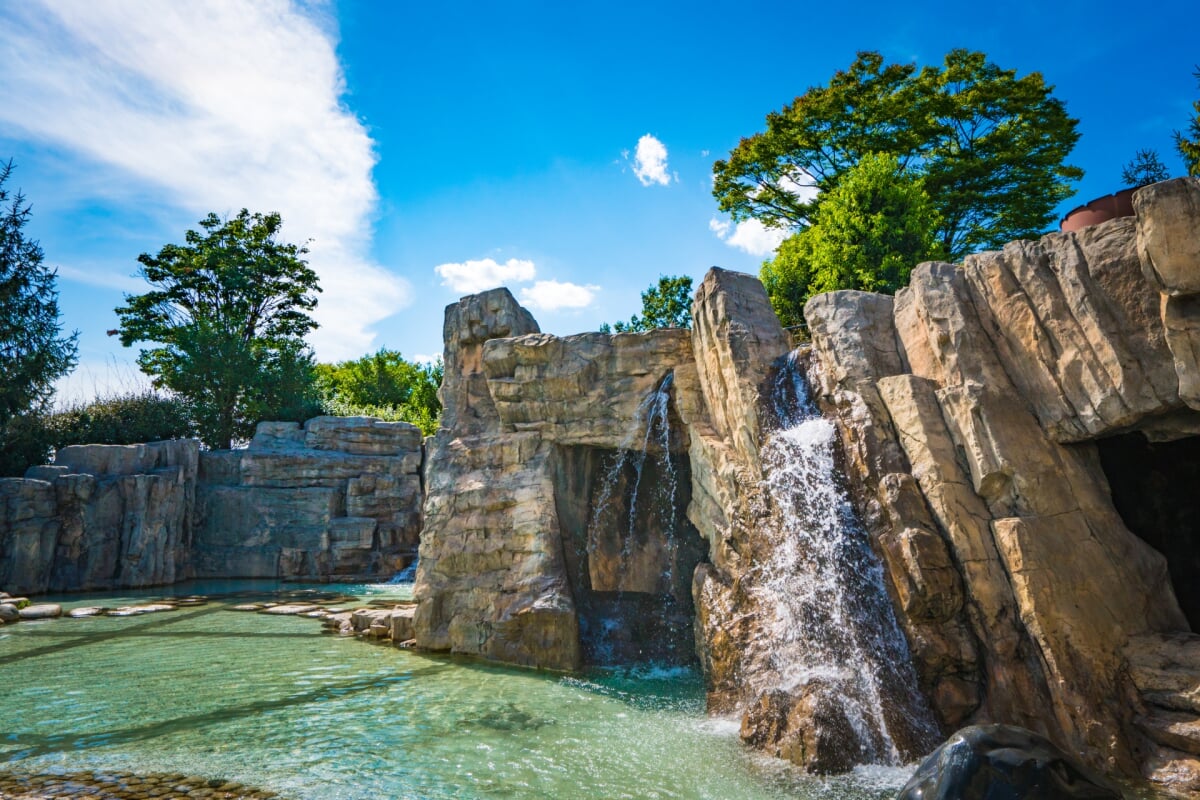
{"points": [[819, 578], [638, 549]]}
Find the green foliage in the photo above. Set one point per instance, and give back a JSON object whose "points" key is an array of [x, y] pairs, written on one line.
{"points": [[667, 304], [1189, 145], [24, 442], [383, 385], [1144, 169], [130, 418], [227, 318], [990, 146], [867, 233], [32, 353]]}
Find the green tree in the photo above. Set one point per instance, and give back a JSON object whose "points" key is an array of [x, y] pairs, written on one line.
{"points": [[1144, 169], [384, 385], [991, 147], [1189, 145], [227, 319], [867, 233], [33, 353], [667, 304]]}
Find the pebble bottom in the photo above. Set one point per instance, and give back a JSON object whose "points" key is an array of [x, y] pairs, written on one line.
{"points": [[124, 786]]}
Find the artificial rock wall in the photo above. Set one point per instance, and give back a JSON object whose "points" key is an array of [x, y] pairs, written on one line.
{"points": [[969, 408], [520, 548], [336, 497]]}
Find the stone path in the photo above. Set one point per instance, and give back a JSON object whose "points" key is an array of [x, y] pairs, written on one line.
{"points": [[123, 786]]}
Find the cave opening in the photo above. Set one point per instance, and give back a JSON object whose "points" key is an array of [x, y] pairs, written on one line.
{"points": [[630, 553], [1156, 490]]}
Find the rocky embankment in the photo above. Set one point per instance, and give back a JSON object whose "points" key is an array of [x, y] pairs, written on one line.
{"points": [[338, 496], [985, 414]]}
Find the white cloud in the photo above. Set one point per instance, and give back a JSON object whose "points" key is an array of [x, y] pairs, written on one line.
{"points": [[424, 358], [650, 161], [470, 277], [553, 295], [215, 106], [750, 236]]}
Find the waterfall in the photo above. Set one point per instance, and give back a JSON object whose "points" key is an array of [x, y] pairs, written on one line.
{"points": [[638, 547], [406, 575], [823, 584]]}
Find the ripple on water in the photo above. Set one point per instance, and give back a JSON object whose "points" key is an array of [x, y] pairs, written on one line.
{"points": [[268, 701]]}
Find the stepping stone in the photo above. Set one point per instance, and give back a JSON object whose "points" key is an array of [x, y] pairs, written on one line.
{"points": [[289, 610], [41, 611], [9, 613], [134, 611], [86, 611]]}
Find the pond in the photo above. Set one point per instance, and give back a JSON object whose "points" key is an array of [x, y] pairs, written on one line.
{"points": [[270, 701]]}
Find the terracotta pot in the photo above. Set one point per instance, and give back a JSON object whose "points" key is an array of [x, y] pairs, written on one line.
{"points": [[1102, 209]]}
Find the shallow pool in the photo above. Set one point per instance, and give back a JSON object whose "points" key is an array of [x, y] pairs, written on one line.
{"points": [[271, 701]]}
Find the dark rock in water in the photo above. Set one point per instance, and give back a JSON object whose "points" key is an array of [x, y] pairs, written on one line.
{"points": [[809, 728], [1003, 762]]}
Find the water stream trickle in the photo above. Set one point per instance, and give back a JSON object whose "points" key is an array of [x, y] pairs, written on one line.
{"points": [[634, 541], [832, 619]]}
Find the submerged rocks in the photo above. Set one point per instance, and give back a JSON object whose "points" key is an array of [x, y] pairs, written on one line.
{"points": [[1003, 762], [810, 728]]}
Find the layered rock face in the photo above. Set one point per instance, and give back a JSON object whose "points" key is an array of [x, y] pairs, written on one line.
{"points": [[338, 496], [968, 407], [101, 517], [533, 528]]}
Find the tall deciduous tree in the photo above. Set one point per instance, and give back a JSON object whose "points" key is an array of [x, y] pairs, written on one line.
{"points": [[226, 320], [33, 351], [667, 304], [991, 147], [1189, 144], [868, 232]]}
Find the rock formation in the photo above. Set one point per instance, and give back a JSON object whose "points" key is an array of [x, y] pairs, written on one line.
{"points": [[975, 410], [515, 558], [101, 517], [340, 496]]}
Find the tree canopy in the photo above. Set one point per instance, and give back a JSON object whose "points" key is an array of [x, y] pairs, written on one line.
{"points": [[385, 385], [667, 304], [868, 233], [990, 146], [226, 320], [1189, 144], [33, 351]]}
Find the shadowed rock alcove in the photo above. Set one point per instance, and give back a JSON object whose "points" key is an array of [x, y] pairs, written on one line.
{"points": [[630, 552], [1156, 489]]}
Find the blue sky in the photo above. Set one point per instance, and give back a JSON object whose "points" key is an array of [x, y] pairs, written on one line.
{"points": [[429, 150]]}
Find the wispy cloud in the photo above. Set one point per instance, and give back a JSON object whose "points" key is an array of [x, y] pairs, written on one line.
{"points": [[101, 277], [556, 295], [470, 277], [650, 161], [213, 106]]}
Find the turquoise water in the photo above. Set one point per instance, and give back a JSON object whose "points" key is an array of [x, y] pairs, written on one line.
{"points": [[271, 701]]}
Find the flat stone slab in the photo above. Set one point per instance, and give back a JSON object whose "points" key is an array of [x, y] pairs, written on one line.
{"points": [[86, 611], [247, 607], [41, 611], [290, 610], [134, 611]]}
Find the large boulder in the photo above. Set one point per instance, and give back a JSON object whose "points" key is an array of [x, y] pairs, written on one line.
{"points": [[1003, 762]]}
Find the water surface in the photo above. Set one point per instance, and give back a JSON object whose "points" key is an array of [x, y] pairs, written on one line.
{"points": [[272, 702]]}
